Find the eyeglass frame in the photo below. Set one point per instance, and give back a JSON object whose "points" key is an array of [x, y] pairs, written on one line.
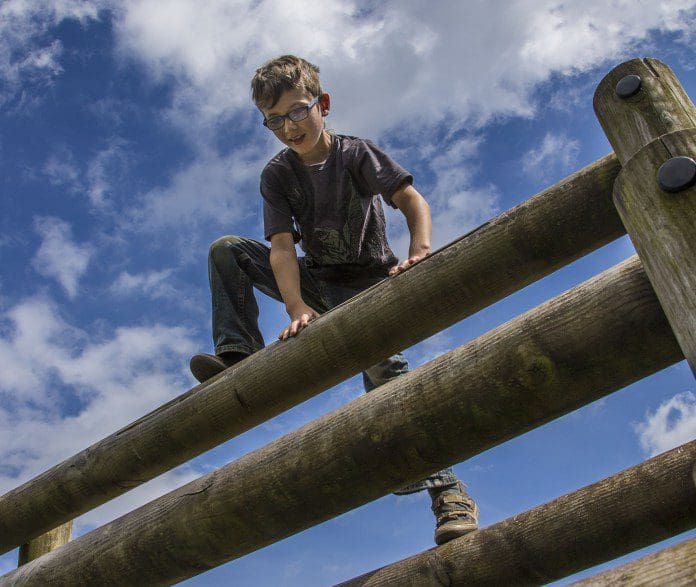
{"points": [[304, 113]]}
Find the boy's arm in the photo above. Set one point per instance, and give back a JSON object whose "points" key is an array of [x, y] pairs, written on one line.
{"points": [[420, 225], [287, 275]]}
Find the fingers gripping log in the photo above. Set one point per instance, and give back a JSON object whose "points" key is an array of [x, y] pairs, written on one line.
{"points": [[596, 338], [650, 122]]}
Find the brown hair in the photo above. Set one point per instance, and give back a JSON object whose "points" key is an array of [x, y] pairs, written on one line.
{"points": [[282, 74]]}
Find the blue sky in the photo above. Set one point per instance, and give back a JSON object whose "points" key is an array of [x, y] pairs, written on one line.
{"points": [[128, 143]]}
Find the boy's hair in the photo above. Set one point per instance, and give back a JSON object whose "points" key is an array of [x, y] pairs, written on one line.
{"points": [[280, 75]]}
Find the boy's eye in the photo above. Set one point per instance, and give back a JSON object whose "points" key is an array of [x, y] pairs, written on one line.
{"points": [[274, 122], [298, 113]]}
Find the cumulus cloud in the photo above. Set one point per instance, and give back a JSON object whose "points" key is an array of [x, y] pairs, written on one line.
{"points": [[58, 256], [557, 155], [672, 424], [392, 63], [58, 382]]}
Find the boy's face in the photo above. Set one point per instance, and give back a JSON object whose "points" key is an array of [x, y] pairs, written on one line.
{"points": [[306, 137]]}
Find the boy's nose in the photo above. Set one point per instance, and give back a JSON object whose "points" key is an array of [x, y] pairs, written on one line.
{"points": [[290, 127]]}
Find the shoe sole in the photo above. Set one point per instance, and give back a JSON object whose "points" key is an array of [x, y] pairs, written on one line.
{"points": [[206, 367], [455, 529]]}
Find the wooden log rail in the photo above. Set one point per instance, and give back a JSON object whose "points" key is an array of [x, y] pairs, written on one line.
{"points": [[582, 345], [632, 509], [674, 566], [531, 240]]}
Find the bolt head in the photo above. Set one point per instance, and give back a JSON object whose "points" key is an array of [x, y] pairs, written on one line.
{"points": [[628, 86], [677, 174]]}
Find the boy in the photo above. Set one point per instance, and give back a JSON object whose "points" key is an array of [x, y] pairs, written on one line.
{"points": [[322, 191]]}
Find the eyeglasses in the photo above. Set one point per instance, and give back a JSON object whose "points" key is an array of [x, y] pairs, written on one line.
{"points": [[296, 114]]}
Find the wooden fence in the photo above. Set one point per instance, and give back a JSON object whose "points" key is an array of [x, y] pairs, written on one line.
{"points": [[624, 324]]}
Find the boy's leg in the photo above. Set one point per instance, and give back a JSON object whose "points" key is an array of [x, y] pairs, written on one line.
{"points": [[382, 372], [456, 513], [386, 371], [235, 266]]}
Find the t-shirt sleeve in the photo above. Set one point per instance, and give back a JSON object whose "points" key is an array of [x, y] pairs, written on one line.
{"points": [[277, 215], [378, 172]]}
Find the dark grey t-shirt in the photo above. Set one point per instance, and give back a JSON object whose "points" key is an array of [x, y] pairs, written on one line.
{"points": [[333, 209]]}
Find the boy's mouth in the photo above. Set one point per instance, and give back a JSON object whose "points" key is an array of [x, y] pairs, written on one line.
{"points": [[296, 140]]}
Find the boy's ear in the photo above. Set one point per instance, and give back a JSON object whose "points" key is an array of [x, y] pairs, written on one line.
{"points": [[325, 103]]}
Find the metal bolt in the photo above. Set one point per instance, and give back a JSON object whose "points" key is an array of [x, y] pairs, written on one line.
{"points": [[628, 86], [677, 174]]}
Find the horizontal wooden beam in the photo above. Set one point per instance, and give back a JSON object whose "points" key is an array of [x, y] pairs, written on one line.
{"points": [[578, 347], [514, 249], [674, 566], [632, 509]]}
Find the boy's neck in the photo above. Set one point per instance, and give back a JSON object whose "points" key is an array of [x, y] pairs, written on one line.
{"points": [[321, 151]]}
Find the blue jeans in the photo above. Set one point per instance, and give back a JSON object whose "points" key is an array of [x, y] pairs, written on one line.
{"points": [[235, 266]]}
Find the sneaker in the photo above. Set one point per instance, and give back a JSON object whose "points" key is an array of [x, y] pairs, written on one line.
{"points": [[456, 513], [205, 366]]}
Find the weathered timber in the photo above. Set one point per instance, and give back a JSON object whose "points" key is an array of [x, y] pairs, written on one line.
{"points": [[564, 222], [661, 106], [674, 566], [582, 345], [663, 229], [581, 529], [45, 543], [646, 131]]}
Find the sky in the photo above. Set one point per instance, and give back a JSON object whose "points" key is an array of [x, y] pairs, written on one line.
{"points": [[128, 143]]}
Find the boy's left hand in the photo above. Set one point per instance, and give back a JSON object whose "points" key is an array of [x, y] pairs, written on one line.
{"points": [[401, 267]]}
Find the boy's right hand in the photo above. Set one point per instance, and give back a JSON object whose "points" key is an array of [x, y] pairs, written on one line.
{"points": [[300, 316]]}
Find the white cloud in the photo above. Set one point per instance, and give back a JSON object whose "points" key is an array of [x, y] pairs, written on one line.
{"points": [[557, 154], [393, 63], [108, 164], [211, 188], [456, 205], [27, 53], [672, 424], [58, 256], [61, 170], [152, 283], [57, 382]]}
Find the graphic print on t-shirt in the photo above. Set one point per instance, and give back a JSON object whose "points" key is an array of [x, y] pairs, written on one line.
{"points": [[337, 247]]}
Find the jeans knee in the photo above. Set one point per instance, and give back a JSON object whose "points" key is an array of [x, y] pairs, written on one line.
{"points": [[223, 248]]}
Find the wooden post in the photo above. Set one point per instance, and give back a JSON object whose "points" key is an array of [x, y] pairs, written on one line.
{"points": [[521, 245], [45, 543], [674, 566], [630, 510], [599, 336], [650, 122]]}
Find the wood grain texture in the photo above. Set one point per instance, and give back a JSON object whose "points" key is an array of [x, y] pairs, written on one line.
{"points": [[660, 107], [564, 222], [578, 347], [662, 227], [630, 510], [674, 566], [45, 543]]}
